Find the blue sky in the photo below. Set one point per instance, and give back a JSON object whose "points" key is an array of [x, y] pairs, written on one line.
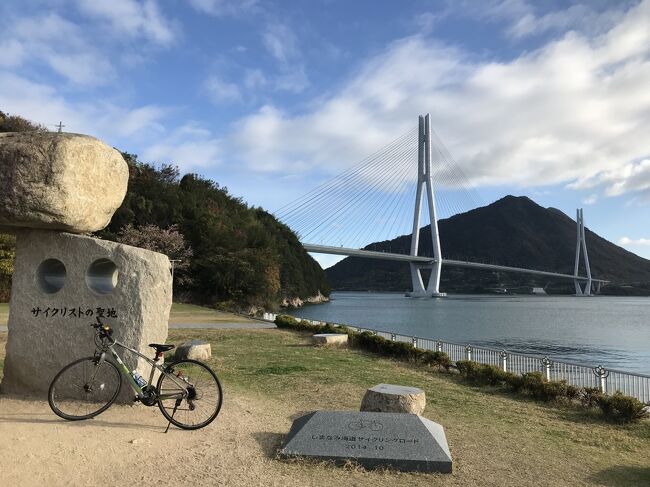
{"points": [[269, 98]]}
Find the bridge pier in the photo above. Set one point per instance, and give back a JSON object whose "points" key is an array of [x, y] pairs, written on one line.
{"points": [[582, 244], [431, 291], [425, 183]]}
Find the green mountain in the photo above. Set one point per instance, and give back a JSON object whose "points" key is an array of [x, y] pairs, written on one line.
{"points": [[513, 231]]}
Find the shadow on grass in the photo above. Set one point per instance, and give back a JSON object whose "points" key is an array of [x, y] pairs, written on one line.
{"points": [[624, 475], [270, 443]]}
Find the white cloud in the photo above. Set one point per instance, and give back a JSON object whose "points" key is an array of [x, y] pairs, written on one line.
{"points": [[568, 111], [625, 178], [254, 79], [188, 147], [523, 19], [132, 18], [590, 200], [220, 8], [280, 42], [221, 91], [293, 80], [626, 241], [61, 45], [12, 53], [43, 104]]}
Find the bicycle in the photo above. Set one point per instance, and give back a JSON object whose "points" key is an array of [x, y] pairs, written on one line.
{"points": [[88, 386]]}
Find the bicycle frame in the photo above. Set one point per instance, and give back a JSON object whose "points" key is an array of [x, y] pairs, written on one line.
{"points": [[154, 366]]}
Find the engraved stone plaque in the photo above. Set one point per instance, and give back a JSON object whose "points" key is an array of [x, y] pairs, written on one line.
{"points": [[402, 441]]}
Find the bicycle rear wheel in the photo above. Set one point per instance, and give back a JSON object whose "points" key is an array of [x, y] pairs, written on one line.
{"points": [[84, 389], [189, 394]]}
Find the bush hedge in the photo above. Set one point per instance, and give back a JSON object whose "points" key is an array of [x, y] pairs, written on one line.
{"points": [[616, 408], [372, 343]]}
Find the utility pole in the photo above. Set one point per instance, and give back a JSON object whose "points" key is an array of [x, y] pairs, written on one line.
{"points": [[60, 127], [173, 263]]}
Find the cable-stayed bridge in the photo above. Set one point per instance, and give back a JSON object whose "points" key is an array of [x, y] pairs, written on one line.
{"points": [[382, 197]]}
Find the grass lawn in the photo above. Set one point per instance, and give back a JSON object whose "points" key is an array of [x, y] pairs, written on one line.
{"points": [[495, 439], [4, 313], [190, 313], [181, 313]]}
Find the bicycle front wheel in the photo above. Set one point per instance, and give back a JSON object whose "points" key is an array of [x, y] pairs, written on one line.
{"points": [[189, 394], [84, 389]]}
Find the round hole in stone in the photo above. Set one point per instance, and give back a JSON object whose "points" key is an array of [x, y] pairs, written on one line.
{"points": [[51, 275], [101, 276]]}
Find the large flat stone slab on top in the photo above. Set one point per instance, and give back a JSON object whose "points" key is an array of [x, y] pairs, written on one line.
{"points": [[390, 398], [61, 283], [402, 441], [59, 181], [193, 349], [330, 339]]}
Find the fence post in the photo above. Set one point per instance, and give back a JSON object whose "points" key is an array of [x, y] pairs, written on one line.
{"points": [[415, 342], [439, 346], [602, 374], [392, 337], [504, 360], [468, 350], [547, 368]]}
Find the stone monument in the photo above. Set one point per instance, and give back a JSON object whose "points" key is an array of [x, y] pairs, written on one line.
{"points": [[390, 398], [332, 339], [53, 187], [193, 350], [402, 441]]}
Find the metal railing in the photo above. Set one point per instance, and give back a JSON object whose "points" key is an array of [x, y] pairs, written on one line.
{"points": [[580, 375]]}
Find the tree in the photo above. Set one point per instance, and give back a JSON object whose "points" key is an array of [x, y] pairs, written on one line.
{"points": [[167, 241], [14, 123], [7, 255]]}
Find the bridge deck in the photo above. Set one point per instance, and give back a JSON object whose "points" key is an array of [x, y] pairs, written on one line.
{"points": [[326, 249]]}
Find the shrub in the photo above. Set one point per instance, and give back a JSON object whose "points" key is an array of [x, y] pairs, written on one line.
{"points": [[289, 322], [436, 359], [387, 348], [589, 397], [621, 408], [485, 374], [371, 342], [552, 391], [466, 368]]}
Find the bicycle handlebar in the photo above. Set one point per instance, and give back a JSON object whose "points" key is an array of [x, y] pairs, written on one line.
{"points": [[102, 329]]}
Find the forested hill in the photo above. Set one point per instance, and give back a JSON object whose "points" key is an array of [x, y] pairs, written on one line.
{"points": [[241, 256], [513, 231], [231, 255]]}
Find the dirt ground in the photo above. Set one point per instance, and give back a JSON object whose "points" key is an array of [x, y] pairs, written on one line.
{"points": [[127, 444]]}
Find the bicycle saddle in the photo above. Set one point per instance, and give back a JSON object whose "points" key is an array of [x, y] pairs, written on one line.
{"points": [[161, 348]]}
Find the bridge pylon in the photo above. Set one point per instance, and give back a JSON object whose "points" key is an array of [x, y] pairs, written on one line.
{"points": [[425, 184], [582, 244]]}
